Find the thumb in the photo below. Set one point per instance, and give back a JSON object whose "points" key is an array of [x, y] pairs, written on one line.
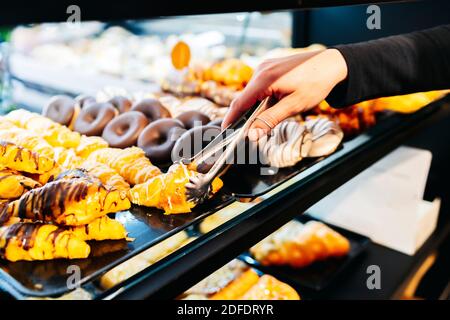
{"points": [[270, 118]]}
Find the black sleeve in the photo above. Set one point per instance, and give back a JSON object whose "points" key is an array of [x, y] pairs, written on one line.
{"points": [[414, 62]]}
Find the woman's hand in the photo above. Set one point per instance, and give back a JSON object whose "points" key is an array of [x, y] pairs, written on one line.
{"points": [[299, 82]]}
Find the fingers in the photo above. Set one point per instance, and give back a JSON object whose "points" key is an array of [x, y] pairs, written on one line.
{"points": [[254, 91], [270, 118]]}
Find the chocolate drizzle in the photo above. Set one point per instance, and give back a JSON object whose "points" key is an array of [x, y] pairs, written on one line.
{"points": [[23, 232], [49, 202]]}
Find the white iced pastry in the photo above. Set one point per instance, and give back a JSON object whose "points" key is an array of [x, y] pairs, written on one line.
{"points": [[292, 141], [326, 136], [288, 144]]}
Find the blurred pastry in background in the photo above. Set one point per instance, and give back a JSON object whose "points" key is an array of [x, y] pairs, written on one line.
{"points": [[236, 281], [143, 260], [299, 245], [408, 103]]}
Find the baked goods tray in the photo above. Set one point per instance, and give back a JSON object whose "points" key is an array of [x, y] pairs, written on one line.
{"points": [[146, 227], [149, 227], [321, 273]]}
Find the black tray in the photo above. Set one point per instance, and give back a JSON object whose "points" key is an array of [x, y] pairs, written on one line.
{"points": [[320, 274], [145, 225]]}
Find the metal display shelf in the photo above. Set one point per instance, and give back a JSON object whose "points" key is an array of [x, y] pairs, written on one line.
{"points": [[20, 12], [184, 268]]}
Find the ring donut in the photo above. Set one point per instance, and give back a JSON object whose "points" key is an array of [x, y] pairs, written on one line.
{"points": [[94, 118], [158, 139], [216, 122], [123, 131], [152, 109], [191, 119], [193, 141], [85, 100], [61, 109], [121, 103]]}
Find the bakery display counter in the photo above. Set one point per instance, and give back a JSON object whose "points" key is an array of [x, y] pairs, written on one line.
{"points": [[96, 185], [255, 218]]}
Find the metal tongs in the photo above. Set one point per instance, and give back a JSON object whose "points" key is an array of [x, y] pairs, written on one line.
{"points": [[198, 189]]}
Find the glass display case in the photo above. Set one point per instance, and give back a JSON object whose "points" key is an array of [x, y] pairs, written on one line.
{"points": [[126, 51]]}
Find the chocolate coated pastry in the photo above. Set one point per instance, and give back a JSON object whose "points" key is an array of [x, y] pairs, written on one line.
{"points": [[193, 141], [124, 130], [191, 119], [85, 100], [121, 103], [152, 109], [61, 109], [94, 118], [158, 139], [217, 122]]}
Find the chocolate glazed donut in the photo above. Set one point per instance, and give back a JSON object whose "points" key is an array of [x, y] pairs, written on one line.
{"points": [[121, 103], [158, 139], [94, 118], [217, 122], [191, 119], [123, 131], [152, 109], [85, 100], [61, 109], [192, 142]]}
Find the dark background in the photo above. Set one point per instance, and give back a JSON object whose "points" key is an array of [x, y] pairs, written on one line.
{"points": [[337, 25]]}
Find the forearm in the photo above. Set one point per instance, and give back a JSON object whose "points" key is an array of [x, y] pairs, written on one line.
{"points": [[414, 62]]}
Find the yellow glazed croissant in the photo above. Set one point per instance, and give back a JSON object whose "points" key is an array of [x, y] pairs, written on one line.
{"points": [[13, 184], [71, 202], [269, 288], [108, 176], [55, 134], [67, 158], [167, 191], [28, 140], [5, 124], [130, 163], [103, 228], [21, 159], [90, 144], [36, 241], [300, 245]]}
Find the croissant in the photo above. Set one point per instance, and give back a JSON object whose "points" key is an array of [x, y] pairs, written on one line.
{"points": [[269, 288], [28, 140], [66, 158], [36, 241], [130, 163], [55, 134], [5, 124], [300, 245], [48, 176], [108, 176], [13, 184], [71, 202], [238, 286], [103, 228], [167, 191], [89, 144], [21, 159]]}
